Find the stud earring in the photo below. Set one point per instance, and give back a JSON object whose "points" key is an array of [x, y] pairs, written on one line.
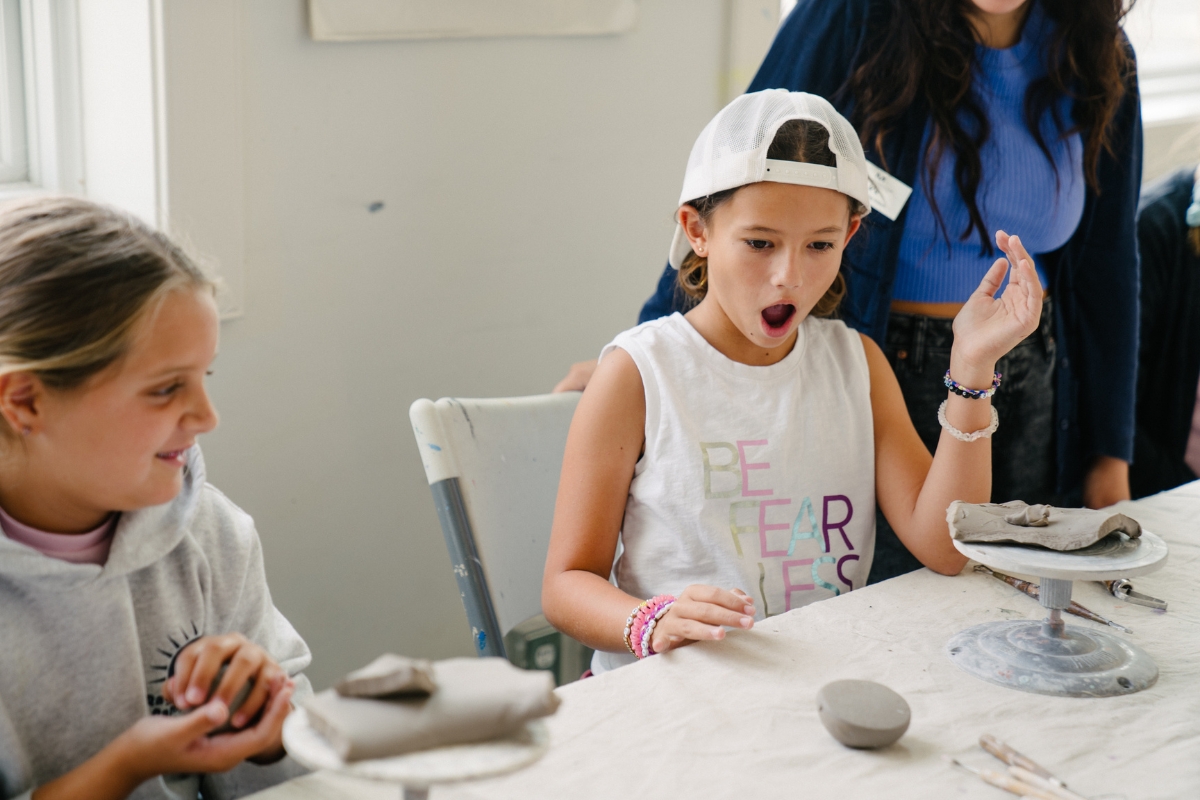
{"points": [[26, 430]]}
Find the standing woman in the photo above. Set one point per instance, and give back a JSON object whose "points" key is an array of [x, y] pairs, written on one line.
{"points": [[1020, 115]]}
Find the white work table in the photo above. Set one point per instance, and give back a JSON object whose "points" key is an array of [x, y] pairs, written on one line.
{"points": [[738, 718]]}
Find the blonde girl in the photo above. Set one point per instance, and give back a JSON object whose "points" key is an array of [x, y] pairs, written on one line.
{"points": [[737, 452], [126, 580]]}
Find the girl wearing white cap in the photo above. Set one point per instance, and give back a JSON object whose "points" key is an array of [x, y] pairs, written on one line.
{"points": [[999, 114], [737, 452]]}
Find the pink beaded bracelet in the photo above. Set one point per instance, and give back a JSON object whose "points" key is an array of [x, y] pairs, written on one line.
{"points": [[648, 634], [639, 627]]}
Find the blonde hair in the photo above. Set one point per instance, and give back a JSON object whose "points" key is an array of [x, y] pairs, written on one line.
{"points": [[76, 278], [799, 140]]}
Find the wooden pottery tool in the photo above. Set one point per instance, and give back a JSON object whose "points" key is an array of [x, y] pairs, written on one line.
{"points": [[1027, 770], [1032, 590], [1122, 589], [1005, 781], [1051, 657], [1012, 758]]}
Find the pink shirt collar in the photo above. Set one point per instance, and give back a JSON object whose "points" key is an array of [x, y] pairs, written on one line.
{"points": [[77, 548]]}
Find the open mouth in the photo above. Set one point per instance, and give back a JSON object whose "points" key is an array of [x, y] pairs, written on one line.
{"points": [[776, 317]]}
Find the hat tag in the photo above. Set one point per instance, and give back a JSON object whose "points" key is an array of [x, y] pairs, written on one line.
{"points": [[801, 173]]}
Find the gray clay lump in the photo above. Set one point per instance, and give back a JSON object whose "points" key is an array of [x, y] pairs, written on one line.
{"points": [[862, 714], [1060, 529]]}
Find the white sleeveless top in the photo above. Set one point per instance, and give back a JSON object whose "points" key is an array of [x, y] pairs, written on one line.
{"points": [[757, 478]]}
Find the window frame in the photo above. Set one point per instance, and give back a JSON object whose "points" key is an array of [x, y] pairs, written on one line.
{"points": [[53, 119]]}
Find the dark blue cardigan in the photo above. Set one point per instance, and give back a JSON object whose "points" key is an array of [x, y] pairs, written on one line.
{"points": [[1093, 277]]}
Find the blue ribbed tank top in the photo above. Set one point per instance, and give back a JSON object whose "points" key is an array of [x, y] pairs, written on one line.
{"points": [[1020, 192]]}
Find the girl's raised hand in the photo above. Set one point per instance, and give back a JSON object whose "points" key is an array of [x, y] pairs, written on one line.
{"points": [[988, 327], [702, 612]]}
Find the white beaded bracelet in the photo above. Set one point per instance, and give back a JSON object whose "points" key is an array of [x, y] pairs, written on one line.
{"points": [[986, 433]]}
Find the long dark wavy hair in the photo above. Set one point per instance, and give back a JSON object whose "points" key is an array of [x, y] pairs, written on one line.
{"points": [[923, 53]]}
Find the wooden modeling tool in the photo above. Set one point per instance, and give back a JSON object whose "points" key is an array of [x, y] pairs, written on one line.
{"points": [[1027, 770], [1005, 781], [1034, 591], [1014, 759], [1122, 589]]}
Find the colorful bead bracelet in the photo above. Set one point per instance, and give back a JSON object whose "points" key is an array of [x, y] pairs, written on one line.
{"points": [[972, 394], [639, 627]]}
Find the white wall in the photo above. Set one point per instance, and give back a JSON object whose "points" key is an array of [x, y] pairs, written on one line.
{"points": [[528, 187]]}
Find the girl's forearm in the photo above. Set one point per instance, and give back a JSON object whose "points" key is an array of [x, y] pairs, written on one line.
{"points": [[960, 470], [588, 608], [108, 775]]}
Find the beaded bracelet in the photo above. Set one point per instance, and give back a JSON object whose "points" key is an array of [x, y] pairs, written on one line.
{"points": [[641, 622], [972, 394], [642, 617], [986, 433], [648, 633], [633, 626]]}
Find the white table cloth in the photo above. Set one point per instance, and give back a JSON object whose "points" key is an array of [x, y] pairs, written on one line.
{"points": [[738, 718]]}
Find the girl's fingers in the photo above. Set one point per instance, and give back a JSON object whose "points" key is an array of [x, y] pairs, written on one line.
{"points": [[994, 277], [253, 741], [748, 608], [269, 681], [691, 629], [226, 750], [1015, 246], [182, 673], [1018, 254], [247, 663], [277, 709], [213, 653], [711, 614], [721, 597], [201, 722]]}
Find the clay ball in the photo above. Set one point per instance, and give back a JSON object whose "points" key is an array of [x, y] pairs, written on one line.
{"points": [[862, 714]]}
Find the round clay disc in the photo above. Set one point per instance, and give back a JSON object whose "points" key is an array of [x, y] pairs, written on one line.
{"points": [[862, 714]]}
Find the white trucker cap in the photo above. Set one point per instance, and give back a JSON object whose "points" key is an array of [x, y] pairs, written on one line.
{"points": [[732, 152]]}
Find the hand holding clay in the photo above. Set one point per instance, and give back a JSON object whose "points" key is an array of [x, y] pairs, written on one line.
{"points": [[701, 612], [988, 327], [160, 745], [219, 668]]}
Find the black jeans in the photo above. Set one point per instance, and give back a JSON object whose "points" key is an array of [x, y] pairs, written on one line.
{"points": [[1023, 448]]}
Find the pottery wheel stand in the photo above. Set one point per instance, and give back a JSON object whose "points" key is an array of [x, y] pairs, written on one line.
{"points": [[415, 773], [1051, 657]]}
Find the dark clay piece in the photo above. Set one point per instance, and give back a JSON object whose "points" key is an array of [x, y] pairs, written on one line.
{"points": [[862, 714]]}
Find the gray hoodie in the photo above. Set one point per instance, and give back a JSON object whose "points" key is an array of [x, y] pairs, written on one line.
{"points": [[84, 649]]}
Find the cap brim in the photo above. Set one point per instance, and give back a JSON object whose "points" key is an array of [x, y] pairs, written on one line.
{"points": [[680, 247]]}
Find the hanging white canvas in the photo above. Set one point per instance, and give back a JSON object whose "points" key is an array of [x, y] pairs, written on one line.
{"points": [[358, 20]]}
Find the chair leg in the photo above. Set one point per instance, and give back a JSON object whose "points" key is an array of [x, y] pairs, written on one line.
{"points": [[468, 569]]}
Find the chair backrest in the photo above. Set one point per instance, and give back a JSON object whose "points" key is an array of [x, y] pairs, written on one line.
{"points": [[493, 468]]}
